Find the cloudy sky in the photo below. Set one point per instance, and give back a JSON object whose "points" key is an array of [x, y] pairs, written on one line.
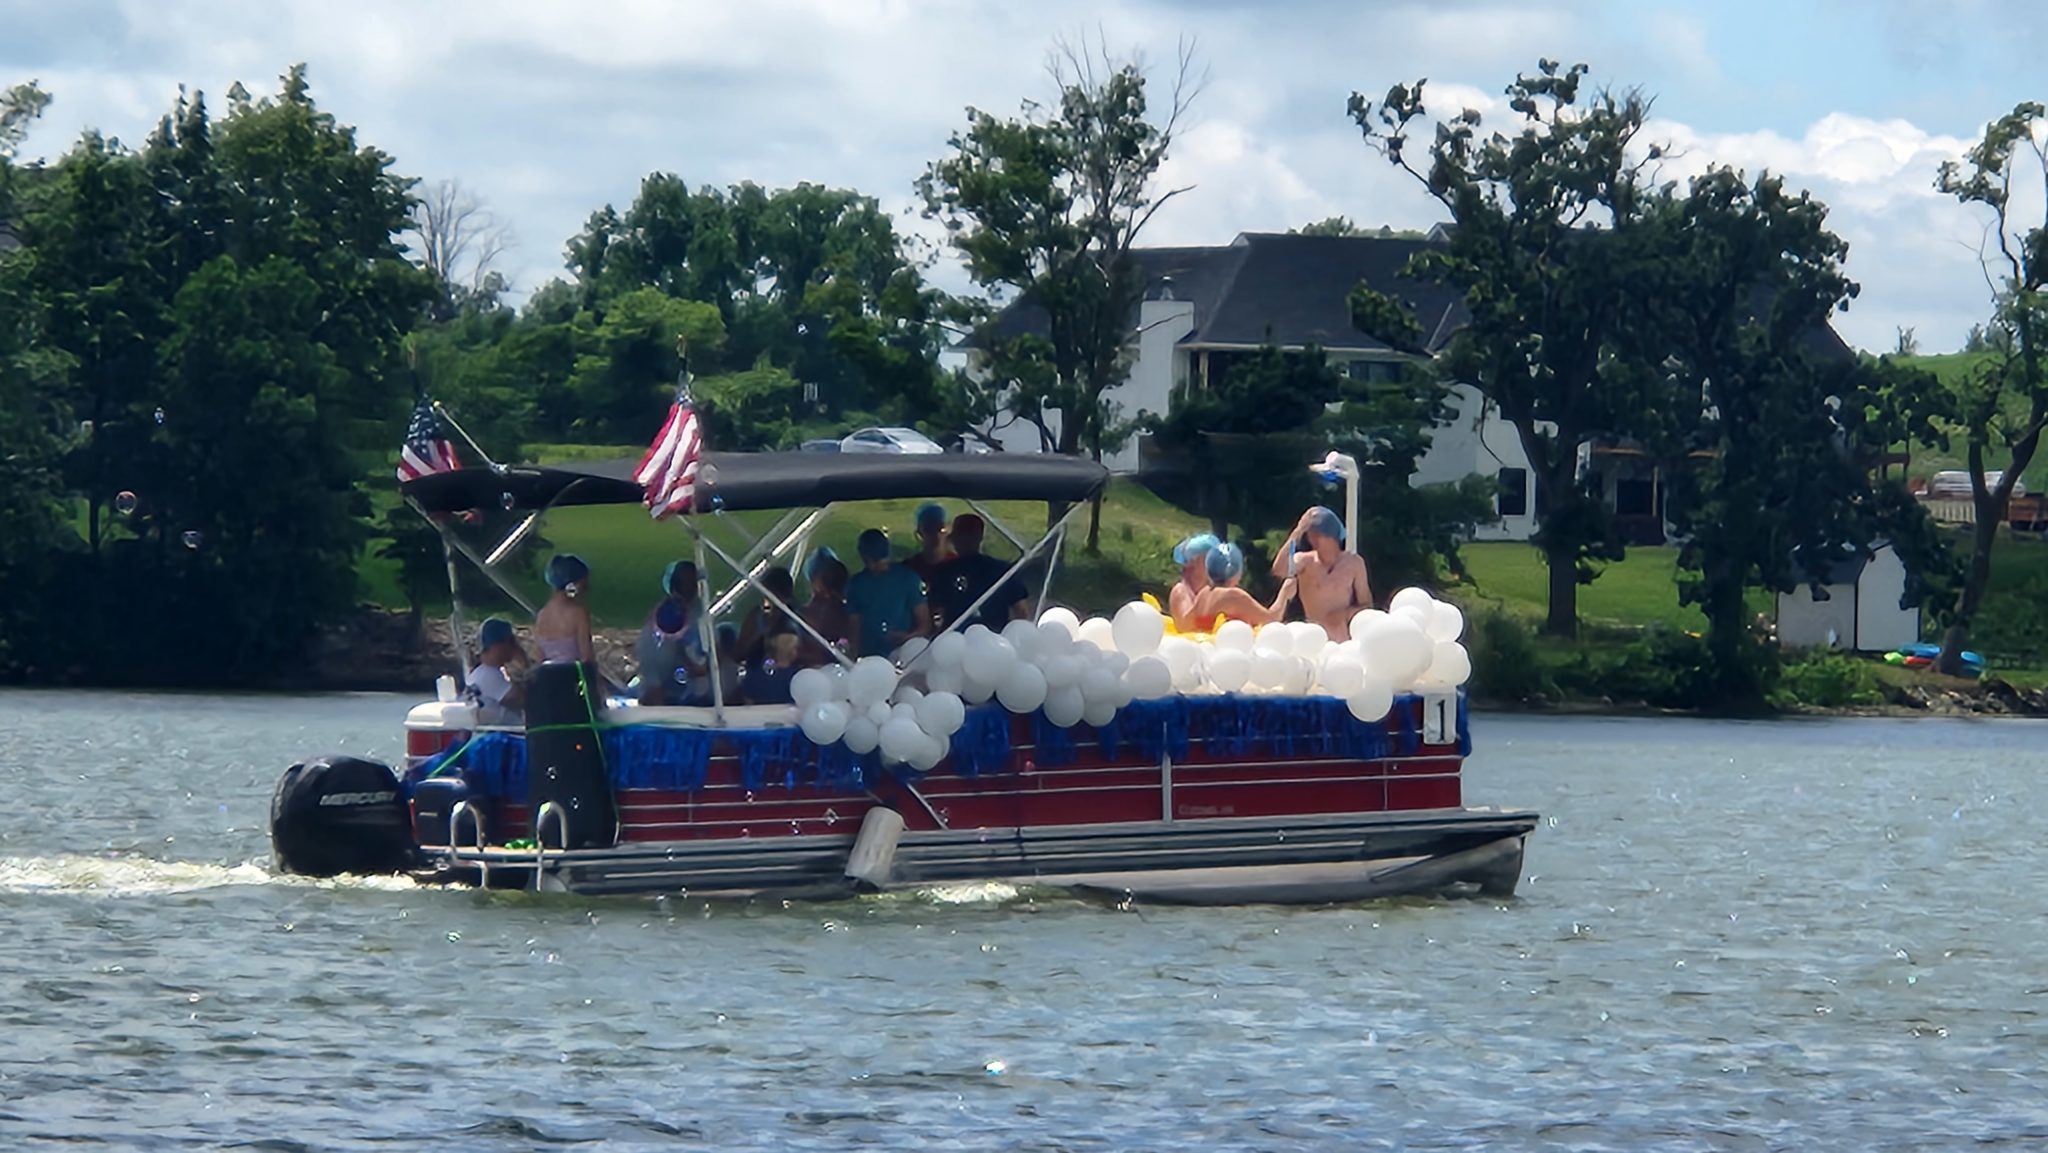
{"points": [[551, 109]]}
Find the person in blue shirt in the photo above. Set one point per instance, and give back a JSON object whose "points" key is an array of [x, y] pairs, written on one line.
{"points": [[885, 601]]}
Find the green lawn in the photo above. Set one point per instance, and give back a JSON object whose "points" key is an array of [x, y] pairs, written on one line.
{"points": [[1638, 591]]}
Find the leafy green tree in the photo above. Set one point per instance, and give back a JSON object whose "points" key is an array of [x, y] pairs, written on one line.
{"points": [[627, 362], [2002, 405], [1543, 252], [1774, 446], [1047, 207], [1330, 226]]}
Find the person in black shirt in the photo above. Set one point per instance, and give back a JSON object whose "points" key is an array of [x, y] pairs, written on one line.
{"points": [[957, 583]]}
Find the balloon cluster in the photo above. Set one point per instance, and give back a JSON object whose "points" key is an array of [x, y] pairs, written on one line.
{"points": [[1079, 671]]}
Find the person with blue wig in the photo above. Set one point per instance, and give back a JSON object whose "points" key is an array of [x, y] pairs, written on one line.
{"points": [[885, 602], [1192, 555], [1334, 584], [674, 669], [931, 542], [1223, 600], [562, 627]]}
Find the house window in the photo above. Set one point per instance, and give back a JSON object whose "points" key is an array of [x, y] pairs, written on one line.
{"points": [[1373, 371], [1635, 498], [1514, 492]]}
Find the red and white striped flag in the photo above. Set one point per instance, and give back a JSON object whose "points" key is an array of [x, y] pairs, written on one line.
{"points": [[426, 449], [668, 472]]}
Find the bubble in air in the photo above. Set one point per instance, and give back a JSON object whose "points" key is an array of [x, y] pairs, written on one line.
{"points": [[193, 538], [505, 500], [159, 415], [708, 475], [126, 503]]}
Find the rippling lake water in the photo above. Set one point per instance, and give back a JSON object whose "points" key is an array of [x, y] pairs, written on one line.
{"points": [[1791, 935]]}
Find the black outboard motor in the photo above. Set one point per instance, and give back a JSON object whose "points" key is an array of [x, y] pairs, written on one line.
{"points": [[334, 815], [565, 760]]}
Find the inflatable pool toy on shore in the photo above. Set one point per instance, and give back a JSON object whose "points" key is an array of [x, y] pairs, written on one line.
{"points": [[1924, 656]]}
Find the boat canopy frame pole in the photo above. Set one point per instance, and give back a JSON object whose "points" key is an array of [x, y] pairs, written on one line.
{"points": [[455, 635], [754, 561], [996, 522], [703, 542], [449, 539], [707, 626]]}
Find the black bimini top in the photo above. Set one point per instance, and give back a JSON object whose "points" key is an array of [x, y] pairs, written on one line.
{"points": [[745, 481]]}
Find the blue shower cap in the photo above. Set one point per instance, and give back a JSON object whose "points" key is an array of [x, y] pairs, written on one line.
{"points": [[1193, 547], [1226, 562], [565, 569], [1326, 523]]}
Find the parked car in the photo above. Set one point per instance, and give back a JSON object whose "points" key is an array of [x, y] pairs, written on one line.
{"points": [[971, 445], [1955, 484], [818, 446], [892, 440]]}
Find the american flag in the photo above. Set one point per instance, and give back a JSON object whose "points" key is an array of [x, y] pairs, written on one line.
{"points": [[668, 472], [426, 449]]}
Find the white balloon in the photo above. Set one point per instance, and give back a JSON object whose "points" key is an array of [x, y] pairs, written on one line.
{"points": [[1023, 637], [1309, 639], [1364, 621], [872, 679], [941, 714], [1098, 632], [1060, 672], [1138, 629], [1099, 713], [1300, 677], [1149, 679], [900, 739], [1411, 597], [1451, 665], [1418, 615], [911, 650], [1273, 636], [903, 711], [1064, 707], [1195, 673], [948, 651], [878, 714], [1180, 655], [1235, 636], [1100, 685], [1446, 622], [1342, 675], [1025, 689], [1412, 654], [1230, 669], [810, 688], [819, 722], [907, 695], [943, 679], [1063, 617], [1117, 663], [975, 692], [1269, 668], [1373, 700], [861, 736], [990, 666], [929, 753]]}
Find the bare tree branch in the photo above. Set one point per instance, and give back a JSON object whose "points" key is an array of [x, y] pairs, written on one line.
{"points": [[460, 238]]}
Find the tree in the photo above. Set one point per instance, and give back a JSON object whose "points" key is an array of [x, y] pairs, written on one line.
{"points": [[460, 241], [2002, 404], [1543, 251], [1908, 343], [1047, 207], [20, 107], [1773, 439], [1330, 226]]}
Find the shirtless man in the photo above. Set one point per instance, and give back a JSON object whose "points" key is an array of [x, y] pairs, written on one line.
{"points": [[1332, 581]]}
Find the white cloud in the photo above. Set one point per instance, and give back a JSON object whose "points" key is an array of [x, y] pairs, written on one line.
{"points": [[551, 110]]}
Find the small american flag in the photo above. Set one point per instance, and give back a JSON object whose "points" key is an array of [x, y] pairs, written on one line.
{"points": [[668, 472], [426, 449]]}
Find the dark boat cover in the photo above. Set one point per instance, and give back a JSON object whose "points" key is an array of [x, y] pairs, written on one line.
{"points": [[744, 481]]}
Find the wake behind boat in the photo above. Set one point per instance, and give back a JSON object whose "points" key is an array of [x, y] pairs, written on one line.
{"points": [[1106, 756]]}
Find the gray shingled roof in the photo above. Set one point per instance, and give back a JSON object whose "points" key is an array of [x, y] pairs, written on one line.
{"points": [[1293, 290]]}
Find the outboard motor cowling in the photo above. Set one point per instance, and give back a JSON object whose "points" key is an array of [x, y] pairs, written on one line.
{"points": [[334, 815]]}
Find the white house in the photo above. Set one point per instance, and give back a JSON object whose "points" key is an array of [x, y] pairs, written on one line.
{"points": [[1205, 308], [1857, 608]]}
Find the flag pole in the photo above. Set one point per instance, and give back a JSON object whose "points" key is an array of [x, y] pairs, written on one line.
{"points": [[462, 432]]}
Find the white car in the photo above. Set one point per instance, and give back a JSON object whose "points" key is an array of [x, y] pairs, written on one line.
{"points": [[893, 440]]}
